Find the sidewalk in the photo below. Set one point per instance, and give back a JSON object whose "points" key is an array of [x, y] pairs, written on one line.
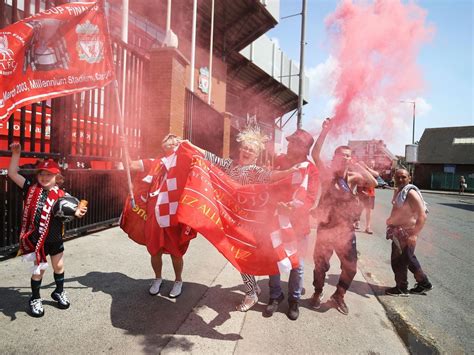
{"points": [[107, 279], [452, 193]]}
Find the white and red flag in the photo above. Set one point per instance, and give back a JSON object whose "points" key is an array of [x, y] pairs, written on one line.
{"points": [[59, 51], [242, 222]]}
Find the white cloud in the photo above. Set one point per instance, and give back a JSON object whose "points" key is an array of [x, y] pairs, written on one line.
{"points": [[323, 77]]}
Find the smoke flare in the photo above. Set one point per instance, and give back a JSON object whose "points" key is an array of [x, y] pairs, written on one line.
{"points": [[375, 45]]}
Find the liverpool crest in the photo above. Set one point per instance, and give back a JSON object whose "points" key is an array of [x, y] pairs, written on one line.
{"points": [[204, 80], [89, 46], [7, 60]]}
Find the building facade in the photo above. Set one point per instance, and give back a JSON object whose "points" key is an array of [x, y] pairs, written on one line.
{"points": [[444, 155], [173, 77], [374, 150]]}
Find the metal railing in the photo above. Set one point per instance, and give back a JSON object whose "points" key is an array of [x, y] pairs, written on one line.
{"points": [[81, 127], [104, 190]]}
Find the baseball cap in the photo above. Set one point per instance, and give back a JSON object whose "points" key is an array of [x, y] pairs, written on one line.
{"points": [[302, 137], [50, 166]]}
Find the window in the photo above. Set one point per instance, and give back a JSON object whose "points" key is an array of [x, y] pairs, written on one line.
{"points": [[464, 140]]}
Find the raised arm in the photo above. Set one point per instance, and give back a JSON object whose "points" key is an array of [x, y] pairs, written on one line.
{"points": [[276, 175], [199, 149], [374, 173], [13, 167], [316, 152], [361, 176]]}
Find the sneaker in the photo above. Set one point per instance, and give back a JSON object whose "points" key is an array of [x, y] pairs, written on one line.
{"points": [[396, 291], [357, 225], [421, 288], [176, 290], [316, 300], [369, 231], [36, 307], [61, 298], [293, 310], [338, 301], [155, 287], [273, 304], [247, 303]]}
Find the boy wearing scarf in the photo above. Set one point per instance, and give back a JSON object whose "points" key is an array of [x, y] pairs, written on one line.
{"points": [[41, 230]]}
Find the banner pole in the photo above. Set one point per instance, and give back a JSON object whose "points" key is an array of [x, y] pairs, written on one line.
{"points": [[124, 144], [124, 140]]}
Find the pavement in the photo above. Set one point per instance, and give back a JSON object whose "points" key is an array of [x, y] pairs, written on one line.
{"points": [[107, 280], [452, 193], [442, 320]]}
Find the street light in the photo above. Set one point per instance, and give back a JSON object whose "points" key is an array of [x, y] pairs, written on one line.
{"points": [[414, 108]]}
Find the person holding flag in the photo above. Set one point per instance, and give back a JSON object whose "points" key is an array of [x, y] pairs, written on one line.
{"points": [[245, 171], [299, 144], [46, 207], [61, 51], [173, 240]]}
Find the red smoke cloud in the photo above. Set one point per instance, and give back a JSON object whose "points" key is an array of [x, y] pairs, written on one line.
{"points": [[376, 45]]}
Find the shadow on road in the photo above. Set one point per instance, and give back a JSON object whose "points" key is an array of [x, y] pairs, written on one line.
{"points": [[13, 301], [155, 317], [463, 206]]}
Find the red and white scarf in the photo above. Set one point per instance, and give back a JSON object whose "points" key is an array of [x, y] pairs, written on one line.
{"points": [[35, 252]]}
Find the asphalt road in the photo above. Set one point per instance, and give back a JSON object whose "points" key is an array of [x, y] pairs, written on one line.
{"points": [[444, 316]]}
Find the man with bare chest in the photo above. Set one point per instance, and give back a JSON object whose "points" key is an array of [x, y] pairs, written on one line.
{"points": [[404, 225]]}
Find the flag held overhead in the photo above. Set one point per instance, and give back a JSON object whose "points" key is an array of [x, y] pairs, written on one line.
{"points": [[59, 51]]}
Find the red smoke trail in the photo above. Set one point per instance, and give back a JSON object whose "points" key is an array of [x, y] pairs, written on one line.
{"points": [[375, 44]]}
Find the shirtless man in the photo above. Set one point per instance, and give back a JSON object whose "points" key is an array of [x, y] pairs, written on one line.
{"points": [[337, 211], [404, 226]]}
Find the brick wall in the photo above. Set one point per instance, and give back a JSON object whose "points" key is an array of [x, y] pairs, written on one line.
{"points": [[164, 98]]}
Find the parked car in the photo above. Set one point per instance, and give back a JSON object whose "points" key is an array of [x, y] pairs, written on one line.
{"points": [[381, 184]]}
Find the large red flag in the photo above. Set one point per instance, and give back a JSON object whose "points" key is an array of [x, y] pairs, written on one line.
{"points": [[242, 222], [56, 52]]}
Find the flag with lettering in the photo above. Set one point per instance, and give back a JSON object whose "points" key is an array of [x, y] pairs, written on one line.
{"points": [[243, 222], [59, 51]]}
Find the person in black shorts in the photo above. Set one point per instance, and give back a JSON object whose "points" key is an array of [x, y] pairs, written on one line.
{"points": [[46, 208]]}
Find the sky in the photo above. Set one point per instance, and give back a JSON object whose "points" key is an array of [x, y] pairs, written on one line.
{"points": [[445, 61]]}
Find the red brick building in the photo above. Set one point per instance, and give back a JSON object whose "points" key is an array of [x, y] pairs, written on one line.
{"points": [[376, 150], [241, 86]]}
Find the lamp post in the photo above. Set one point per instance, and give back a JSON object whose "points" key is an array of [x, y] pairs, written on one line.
{"points": [[299, 117], [412, 173], [414, 109], [301, 78]]}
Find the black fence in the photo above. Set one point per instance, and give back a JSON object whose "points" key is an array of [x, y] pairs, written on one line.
{"points": [[78, 131], [105, 192]]}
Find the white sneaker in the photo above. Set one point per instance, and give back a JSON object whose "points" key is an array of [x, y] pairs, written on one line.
{"points": [[176, 290], [36, 307], [155, 287]]}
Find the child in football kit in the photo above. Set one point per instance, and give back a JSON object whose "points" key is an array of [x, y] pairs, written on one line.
{"points": [[46, 208]]}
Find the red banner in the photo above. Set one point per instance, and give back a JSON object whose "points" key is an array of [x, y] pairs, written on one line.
{"points": [[242, 222], [56, 52]]}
